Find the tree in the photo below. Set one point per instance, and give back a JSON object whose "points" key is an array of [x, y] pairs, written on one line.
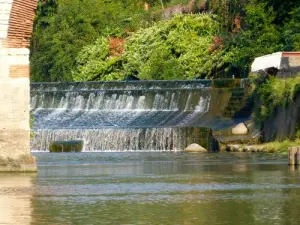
{"points": [[73, 24], [292, 31], [260, 36]]}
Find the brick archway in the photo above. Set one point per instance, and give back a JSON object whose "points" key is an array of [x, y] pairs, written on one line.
{"points": [[16, 21]]}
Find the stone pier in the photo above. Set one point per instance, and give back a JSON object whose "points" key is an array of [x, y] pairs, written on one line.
{"points": [[16, 20], [294, 156]]}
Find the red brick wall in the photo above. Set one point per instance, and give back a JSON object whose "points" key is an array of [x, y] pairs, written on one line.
{"points": [[291, 54], [20, 24]]}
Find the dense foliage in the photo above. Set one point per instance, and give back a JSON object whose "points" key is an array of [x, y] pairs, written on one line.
{"points": [[63, 27], [273, 93], [109, 40], [172, 49]]}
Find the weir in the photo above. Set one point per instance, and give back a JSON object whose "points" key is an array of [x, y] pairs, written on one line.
{"points": [[133, 115]]}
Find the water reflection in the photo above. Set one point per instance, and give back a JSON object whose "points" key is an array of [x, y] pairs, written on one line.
{"points": [[154, 188], [16, 193]]}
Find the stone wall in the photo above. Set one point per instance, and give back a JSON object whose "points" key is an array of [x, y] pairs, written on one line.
{"points": [[283, 123], [16, 20], [198, 135], [290, 65]]}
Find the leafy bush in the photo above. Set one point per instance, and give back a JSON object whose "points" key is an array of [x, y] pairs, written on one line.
{"points": [[280, 147], [274, 93], [184, 47], [259, 37], [94, 63], [62, 28], [177, 47], [172, 49]]}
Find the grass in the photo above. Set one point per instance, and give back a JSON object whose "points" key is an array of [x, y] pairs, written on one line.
{"points": [[280, 147], [270, 147]]}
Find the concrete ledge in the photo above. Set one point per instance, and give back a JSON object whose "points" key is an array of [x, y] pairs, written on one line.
{"points": [[25, 163]]}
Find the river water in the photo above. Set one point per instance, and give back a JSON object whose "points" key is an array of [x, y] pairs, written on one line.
{"points": [[153, 188]]}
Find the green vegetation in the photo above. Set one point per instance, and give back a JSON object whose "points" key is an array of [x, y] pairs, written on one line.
{"points": [[280, 147], [171, 49], [274, 93], [270, 147], [63, 27], [109, 40], [31, 121], [226, 83], [66, 146]]}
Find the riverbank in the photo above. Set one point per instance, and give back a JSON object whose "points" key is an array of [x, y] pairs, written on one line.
{"points": [[271, 147]]}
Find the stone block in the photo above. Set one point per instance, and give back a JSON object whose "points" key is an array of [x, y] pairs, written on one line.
{"points": [[14, 117], [199, 135], [240, 129], [294, 61], [14, 98]]}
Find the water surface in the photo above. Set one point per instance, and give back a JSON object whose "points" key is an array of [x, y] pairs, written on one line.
{"points": [[153, 188]]}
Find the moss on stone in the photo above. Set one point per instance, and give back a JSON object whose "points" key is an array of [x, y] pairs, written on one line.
{"points": [[273, 93], [66, 146], [226, 83], [198, 135]]}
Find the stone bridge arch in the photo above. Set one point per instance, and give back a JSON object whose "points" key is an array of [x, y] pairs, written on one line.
{"points": [[16, 21]]}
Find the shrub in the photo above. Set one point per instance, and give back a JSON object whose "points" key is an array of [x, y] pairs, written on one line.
{"points": [[274, 93]]}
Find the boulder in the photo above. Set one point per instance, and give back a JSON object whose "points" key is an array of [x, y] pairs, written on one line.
{"points": [[240, 129], [195, 148]]}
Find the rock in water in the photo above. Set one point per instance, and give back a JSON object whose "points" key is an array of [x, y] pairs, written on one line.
{"points": [[195, 148]]}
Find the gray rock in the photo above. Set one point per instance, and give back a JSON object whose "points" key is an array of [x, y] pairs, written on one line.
{"points": [[195, 148]]}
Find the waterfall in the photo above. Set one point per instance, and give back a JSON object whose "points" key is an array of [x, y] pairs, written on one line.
{"points": [[120, 116], [112, 139]]}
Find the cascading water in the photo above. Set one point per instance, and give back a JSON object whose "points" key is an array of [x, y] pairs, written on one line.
{"points": [[123, 116]]}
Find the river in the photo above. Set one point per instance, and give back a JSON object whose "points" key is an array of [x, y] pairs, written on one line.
{"points": [[153, 188]]}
